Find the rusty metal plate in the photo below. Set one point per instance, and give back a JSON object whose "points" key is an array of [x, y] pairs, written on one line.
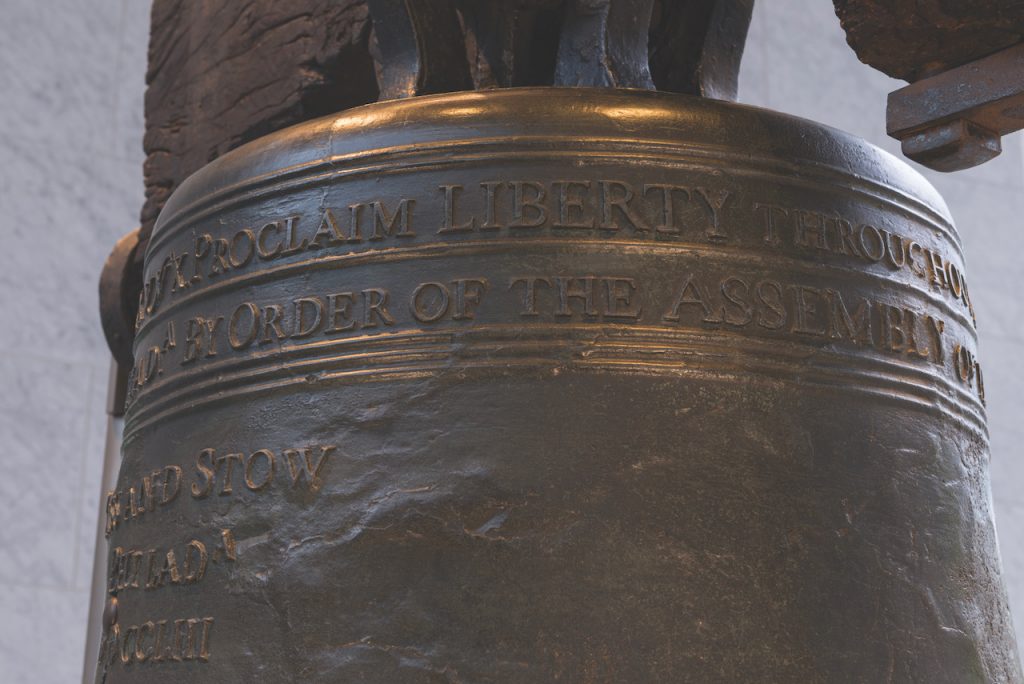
{"points": [[552, 385]]}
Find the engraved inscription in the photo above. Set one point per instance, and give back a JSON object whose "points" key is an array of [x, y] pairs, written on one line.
{"points": [[339, 312], [212, 256], [603, 208], [763, 307], [431, 302], [812, 230], [608, 205], [968, 370], [214, 472], [157, 642], [152, 493], [809, 312], [135, 570], [613, 298], [153, 568], [225, 474], [703, 216]]}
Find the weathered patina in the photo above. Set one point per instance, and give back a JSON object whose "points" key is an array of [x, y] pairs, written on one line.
{"points": [[555, 385], [549, 384]]}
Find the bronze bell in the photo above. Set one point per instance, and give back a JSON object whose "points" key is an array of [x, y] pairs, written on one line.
{"points": [[555, 384]]}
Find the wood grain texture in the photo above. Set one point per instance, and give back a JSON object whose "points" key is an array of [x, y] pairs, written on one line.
{"points": [[908, 40], [222, 73]]}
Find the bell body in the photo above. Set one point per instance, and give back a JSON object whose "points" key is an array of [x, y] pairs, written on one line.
{"points": [[552, 385]]}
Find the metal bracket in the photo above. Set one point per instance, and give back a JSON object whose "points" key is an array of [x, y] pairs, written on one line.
{"points": [[685, 46], [954, 120]]}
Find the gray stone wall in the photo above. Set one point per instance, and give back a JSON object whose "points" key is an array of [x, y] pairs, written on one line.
{"points": [[71, 87]]}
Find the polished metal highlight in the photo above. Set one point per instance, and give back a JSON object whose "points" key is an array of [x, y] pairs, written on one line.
{"points": [[542, 385]]}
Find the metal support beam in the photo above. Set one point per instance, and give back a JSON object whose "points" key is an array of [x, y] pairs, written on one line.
{"points": [[954, 120]]}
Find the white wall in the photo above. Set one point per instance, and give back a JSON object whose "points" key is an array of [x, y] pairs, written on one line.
{"points": [[71, 86]]}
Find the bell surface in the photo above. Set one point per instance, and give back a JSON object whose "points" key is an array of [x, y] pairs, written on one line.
{"points": [[555, 385]]}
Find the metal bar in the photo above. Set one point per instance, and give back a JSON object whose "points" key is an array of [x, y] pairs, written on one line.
{"points": [[604, 44], [421, 48], [696, 46], [111, 464]]}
